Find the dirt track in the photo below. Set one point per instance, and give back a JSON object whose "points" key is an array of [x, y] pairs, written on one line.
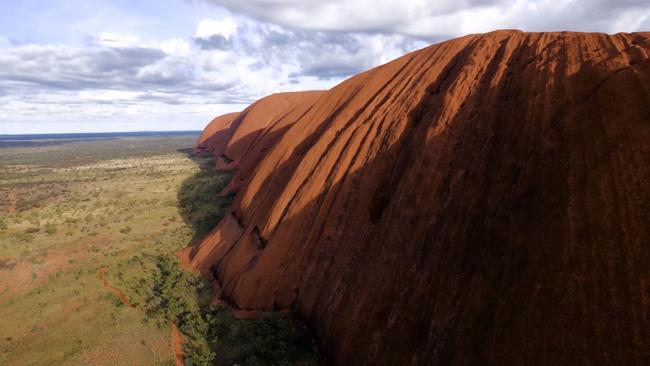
{"points": [[177, 345], [118, 292]]}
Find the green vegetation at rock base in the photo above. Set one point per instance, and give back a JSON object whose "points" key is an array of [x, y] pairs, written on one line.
{"points": [[212, 335]]}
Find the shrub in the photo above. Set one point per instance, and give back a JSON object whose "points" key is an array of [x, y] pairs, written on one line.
{"points": [[114, 300], [7, 264], [125, 230], [267, 340], [50, 229], [174, 296]]}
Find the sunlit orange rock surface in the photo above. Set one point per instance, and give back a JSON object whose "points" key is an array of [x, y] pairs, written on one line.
{"points": [[215, 136], [230, 136], [483, 201]]}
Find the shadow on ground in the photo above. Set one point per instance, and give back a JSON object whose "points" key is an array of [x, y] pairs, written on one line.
{"points": [[199, 202]]}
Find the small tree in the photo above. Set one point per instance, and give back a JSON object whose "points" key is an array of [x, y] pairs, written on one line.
{"points": [[50, 229]]}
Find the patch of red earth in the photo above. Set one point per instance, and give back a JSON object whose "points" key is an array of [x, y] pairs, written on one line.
{"points": [[177, 346], [118, 292], [16, 280], [22, 276], [57, 262]]}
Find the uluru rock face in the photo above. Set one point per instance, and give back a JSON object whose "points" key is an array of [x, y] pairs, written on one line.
{"points": [[230, 136], [215, 136], [484, 201]]}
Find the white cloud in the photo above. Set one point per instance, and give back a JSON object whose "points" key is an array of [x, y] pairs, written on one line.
{"points": [[445, 18], [150, 68], [116, 77], [211, 27], [176, 47]]}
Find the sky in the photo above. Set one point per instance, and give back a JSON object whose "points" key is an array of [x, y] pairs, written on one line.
{"points": [[151, 65]]}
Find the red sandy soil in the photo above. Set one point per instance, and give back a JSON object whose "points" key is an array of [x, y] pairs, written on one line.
{"points": [[17, 278], [485, 200], [118, 292], [13, 199], [177, 345]]}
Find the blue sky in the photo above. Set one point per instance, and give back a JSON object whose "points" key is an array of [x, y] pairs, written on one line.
{"points": [[81, 66]]}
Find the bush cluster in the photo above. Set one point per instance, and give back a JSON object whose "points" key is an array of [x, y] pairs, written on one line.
{"points": [[199, 202], [212, 336]]}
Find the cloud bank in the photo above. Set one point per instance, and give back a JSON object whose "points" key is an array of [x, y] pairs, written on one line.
{"points": [[120, 75], [126, 81], [446, 18]]}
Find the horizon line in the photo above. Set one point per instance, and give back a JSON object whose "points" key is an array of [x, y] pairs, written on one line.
{"points": [[93, 133]]}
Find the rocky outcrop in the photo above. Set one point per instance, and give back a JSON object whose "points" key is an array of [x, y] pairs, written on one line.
{"points": [[229, 137], [215, 136], [484, 201]]}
